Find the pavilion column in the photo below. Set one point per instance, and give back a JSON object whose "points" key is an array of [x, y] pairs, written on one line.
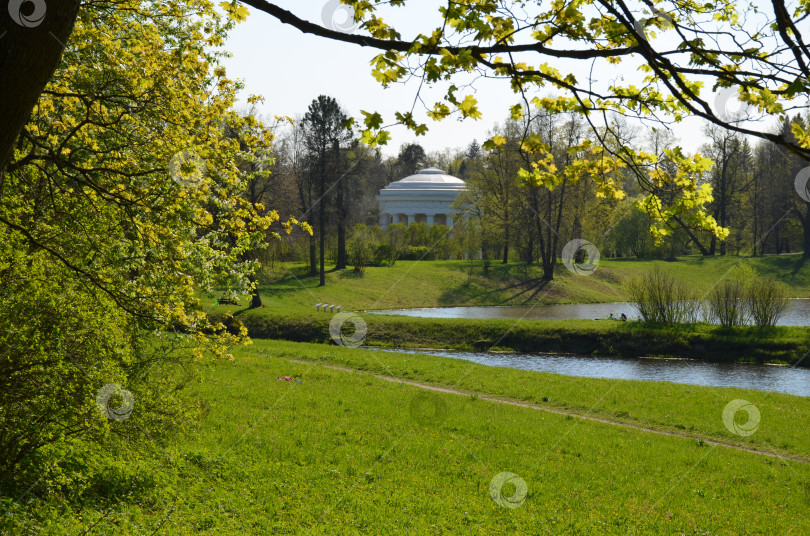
{"points": [[429, 219], [449, 218], [384, 220], [411, 219]]}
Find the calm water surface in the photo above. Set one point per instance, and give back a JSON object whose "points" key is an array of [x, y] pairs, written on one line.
{"points": [[795, 381], [797, 315]]}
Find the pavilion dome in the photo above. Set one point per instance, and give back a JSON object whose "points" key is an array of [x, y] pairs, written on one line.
{"points": [[430, 179], [427, 196]]}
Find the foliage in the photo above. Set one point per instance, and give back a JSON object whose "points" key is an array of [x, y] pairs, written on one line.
{"points": [[123, 200], [767, 301], [726, 303], [396, 236], [418, 253], [659, 297], [383, 254], [360, 247]]}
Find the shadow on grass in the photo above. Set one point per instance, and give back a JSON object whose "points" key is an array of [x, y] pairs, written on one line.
{"points": [[524, 293]]}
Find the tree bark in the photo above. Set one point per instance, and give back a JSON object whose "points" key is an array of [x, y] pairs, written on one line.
{"points": [[313, 255], [322, 221], [341, 209], [30, 51], [255, 298]]}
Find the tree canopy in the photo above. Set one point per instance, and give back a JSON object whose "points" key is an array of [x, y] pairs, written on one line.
{"points": [[123, 200]]}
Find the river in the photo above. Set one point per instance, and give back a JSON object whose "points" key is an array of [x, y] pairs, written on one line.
{"points": [[797, 315], [780, 379]]}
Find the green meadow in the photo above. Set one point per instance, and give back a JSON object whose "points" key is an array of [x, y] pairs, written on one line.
{"points": [[290, 288], [345, 452]]}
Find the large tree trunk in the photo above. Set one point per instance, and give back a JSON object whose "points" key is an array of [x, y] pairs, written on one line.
{"points": [[548, 269], [805, 221], [31, 47], [322, 219], [313, 255], [341, 229], [506, 234], [341, 209], [255, 299]]}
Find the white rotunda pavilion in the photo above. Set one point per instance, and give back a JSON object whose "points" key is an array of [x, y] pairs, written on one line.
{"points": [[424, 197]]}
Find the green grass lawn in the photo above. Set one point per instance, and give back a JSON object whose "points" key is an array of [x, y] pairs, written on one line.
{"points": [[289, 287], [347, 453]]}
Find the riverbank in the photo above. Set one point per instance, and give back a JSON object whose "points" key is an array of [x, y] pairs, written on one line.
{"points": [[749, 344]]}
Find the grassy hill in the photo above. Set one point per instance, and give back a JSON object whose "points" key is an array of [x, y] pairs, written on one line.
{"points": [[346, 452], [288, 286]]}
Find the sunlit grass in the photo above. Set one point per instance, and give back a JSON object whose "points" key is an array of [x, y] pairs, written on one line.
{"points": [[289, 287], [346, 453]]}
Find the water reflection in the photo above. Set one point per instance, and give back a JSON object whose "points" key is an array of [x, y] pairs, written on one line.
{"points": [[797, 315], [795, 381]]}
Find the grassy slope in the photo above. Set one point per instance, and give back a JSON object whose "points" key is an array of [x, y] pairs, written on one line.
{"points": [[342, 453], [444, 283], [289, 311], [663, 405]]}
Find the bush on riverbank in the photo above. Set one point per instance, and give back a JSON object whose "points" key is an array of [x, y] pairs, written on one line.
{"points": [[659, 297], [740, 299]]}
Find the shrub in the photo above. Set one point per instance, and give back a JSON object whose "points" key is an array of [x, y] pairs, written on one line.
{"points": [[418, 253], [383, 254], [726, 303], [767, 301], [360, 248], [396, 238], [659, 297]]}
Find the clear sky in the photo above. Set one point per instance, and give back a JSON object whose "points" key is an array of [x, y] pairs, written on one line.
{"points": [[290, 69]]}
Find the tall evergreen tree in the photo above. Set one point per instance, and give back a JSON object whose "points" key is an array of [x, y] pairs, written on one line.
{"points": [[325, 130]]}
